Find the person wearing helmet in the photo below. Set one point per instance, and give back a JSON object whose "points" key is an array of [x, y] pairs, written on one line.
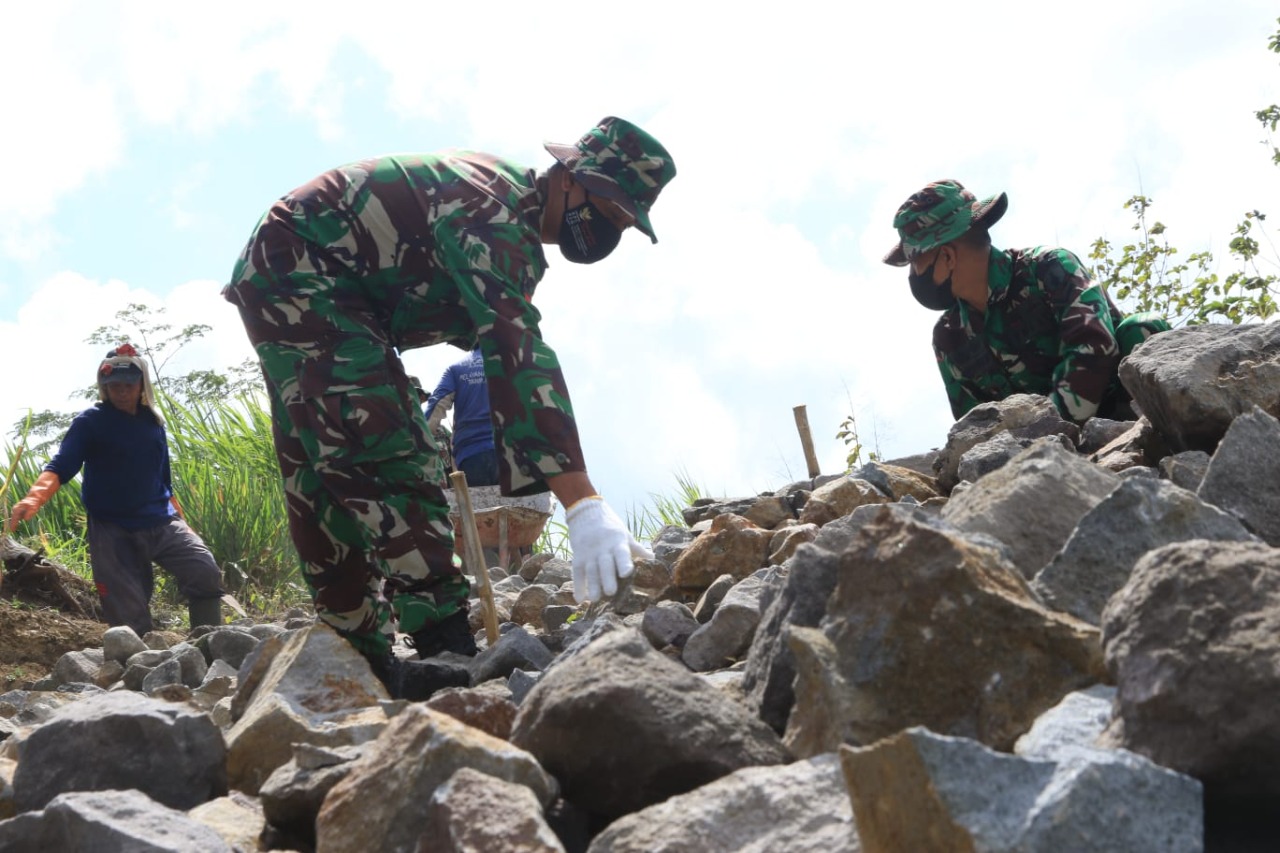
{"points": [[1017, 321], [133, 518], [392, 253]]}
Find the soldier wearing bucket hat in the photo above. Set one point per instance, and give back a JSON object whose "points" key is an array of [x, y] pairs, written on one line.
{"points": [[392, 253], [1017, 321]]}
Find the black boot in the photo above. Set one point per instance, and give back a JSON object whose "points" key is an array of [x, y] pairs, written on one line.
{"points": [[416, 680], [205, 611], [451, 634]]}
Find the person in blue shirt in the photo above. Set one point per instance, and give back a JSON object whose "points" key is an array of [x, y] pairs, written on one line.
{"points": [[133, 518], [463, 387]]}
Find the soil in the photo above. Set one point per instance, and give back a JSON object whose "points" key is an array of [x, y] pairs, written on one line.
{"points": [[32, 640]]}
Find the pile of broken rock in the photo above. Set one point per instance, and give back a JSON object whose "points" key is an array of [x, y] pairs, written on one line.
{"points": [[1038, 638]]}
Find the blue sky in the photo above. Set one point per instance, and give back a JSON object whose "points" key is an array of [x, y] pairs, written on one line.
{"points": [[144, 140]]}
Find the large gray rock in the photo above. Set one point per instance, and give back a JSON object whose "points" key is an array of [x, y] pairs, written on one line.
{"points": [[292, 795], [1138, 516], [1244, 474], [1185, 469], [474, 812], [1033, 503], [1023, 416], [306, 686], [77, 667], [515, 649], [800, 599], [1193, 640], [380, 803], [1191, 383], [231, 644], [169, 752], [623, 727], [727, 636], [928, 628], [108, 821], [916, 791], [120, 643], [996, 452], [1070, 728], [670, 543], [668, 623], [800, 808]]}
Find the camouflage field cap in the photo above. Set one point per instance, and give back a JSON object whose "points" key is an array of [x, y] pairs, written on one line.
{"points": [[938, 214], [621, 162]]}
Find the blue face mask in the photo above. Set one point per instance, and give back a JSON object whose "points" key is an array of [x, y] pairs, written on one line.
{"points": [[935, 297], [586, 236]]}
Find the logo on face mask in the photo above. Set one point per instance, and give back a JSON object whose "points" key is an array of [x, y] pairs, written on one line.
{"points": [[935, 297], [586, 236]]}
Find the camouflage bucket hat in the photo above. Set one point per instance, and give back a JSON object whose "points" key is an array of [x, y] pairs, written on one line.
{"points": [[621, 162], [938, 214]]}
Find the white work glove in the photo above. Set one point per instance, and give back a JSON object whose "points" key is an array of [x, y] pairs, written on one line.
{"points": [[602, 546]]}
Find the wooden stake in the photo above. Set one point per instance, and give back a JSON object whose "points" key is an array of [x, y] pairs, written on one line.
{"points": [[806, 440], [473, 555]]}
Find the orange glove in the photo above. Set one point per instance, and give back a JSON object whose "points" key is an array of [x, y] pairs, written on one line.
{"points": [[46, 484], [177, 507]]}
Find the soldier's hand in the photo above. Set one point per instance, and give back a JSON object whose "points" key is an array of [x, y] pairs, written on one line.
{"points": [[602, 546]]}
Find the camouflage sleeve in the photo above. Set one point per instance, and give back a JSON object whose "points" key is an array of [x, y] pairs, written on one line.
{"points": [[533, 425], [1087, 348], [971, 373], [958, 392]]}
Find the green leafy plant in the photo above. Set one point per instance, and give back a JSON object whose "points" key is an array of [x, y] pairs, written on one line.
{"points": [[848, 434], [1147, 275]]}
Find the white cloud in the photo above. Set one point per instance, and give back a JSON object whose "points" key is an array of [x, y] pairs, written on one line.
{"points": [[797, 129], [47, 338]]}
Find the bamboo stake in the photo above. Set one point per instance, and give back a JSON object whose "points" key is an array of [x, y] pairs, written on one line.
{"points": [[473, 555], [806, 440]]}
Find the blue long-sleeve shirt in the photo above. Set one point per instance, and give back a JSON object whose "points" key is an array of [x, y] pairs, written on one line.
{"points": [[472, 427], [126, 466]]}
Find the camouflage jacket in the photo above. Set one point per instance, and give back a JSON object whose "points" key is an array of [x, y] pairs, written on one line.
{"points": [[1048, 329], [424, 249]]}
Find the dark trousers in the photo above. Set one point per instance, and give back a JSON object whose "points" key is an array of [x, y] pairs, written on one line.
{"points": [[121, 559], [481, 468]]}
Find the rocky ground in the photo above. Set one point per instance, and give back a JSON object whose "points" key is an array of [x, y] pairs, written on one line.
{"points": [[1041, 637]]}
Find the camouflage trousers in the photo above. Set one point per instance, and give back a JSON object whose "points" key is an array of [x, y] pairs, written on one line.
{"points": [[361, 471]]}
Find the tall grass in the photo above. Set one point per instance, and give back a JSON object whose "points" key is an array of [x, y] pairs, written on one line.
{"points": [[226, 478], [664, 509]]}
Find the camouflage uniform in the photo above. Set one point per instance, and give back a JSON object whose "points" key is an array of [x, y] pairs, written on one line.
{"points": [[1048, 329], [341, 274]]}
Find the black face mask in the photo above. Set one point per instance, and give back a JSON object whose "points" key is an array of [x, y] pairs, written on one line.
{"points": [[935, 297], [586, 236]]}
